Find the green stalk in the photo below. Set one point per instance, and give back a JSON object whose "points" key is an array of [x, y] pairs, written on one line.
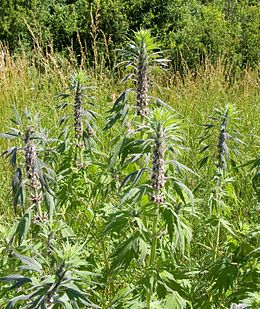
{"points": [[153, 253], [154, 237], [111, 285], [217, 241], [148, 299]]}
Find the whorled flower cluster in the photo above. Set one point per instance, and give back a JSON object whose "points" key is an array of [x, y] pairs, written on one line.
{"points": [[222, 145], [78, 117], [158, 175], [142, 87], [30, 165]]}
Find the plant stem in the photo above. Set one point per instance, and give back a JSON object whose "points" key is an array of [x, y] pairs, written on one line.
{"points": [[154, 237], [111, 285], [153, 253], [148, 299], [217, 241]]}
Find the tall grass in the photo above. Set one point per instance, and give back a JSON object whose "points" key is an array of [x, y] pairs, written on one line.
{"points": [[90, 200], [34, 81]]}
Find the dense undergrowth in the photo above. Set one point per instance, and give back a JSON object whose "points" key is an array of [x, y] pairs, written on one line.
{"points": [[141, 194]]}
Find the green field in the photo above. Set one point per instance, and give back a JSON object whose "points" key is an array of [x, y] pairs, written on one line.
{"points": [[98, 237]]}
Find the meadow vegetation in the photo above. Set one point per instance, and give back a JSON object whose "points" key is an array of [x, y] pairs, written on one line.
{"points": [[136, 187]]}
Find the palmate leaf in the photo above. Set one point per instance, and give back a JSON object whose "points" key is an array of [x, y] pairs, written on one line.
{"points": [[63, 300], [167, 283], [254, 163], [203, 161], [175, 301], [179, 232], [227, 226], [64, 96], [38, 302], [179, 167], [17, 119], [12, 134], [116, 152], [39, 166], [126, 252], [127, 77], [223, 274], [74, 293], [117, 222], [131, 194]]}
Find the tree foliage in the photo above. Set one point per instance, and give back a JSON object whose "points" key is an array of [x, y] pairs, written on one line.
{"points": [[190, 30]]}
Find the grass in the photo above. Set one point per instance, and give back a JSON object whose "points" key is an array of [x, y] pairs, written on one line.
{"points": [[34, 83]]}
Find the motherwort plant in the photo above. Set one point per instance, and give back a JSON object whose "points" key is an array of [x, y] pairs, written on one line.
{"points": [[35, 175], [151, 197], [221, 135], [83, 118], [140, 58]]}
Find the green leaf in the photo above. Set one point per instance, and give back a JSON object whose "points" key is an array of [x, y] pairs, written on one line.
{"points": [[17, 117], [116, 152], [30, 263], [142, 250], [129, 195], [116, 223], [226, 226], [49, 199], [181, 167], [13, 301], [203, 161], [9, 135], [175, 301], [74, 292], [134, 177], [18, 189], [23, 226], [19, 281], [126, 252], [180, 188]]}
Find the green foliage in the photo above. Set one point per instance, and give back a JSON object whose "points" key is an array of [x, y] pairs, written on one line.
{"points": [[159, 211], [191, 31]]}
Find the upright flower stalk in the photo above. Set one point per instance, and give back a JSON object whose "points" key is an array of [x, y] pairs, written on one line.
{"points": [[142, 81], [78, 117], [222, 146], [140, 57], [82, 118], [32, 174], [158, 175], [78, 123]]}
